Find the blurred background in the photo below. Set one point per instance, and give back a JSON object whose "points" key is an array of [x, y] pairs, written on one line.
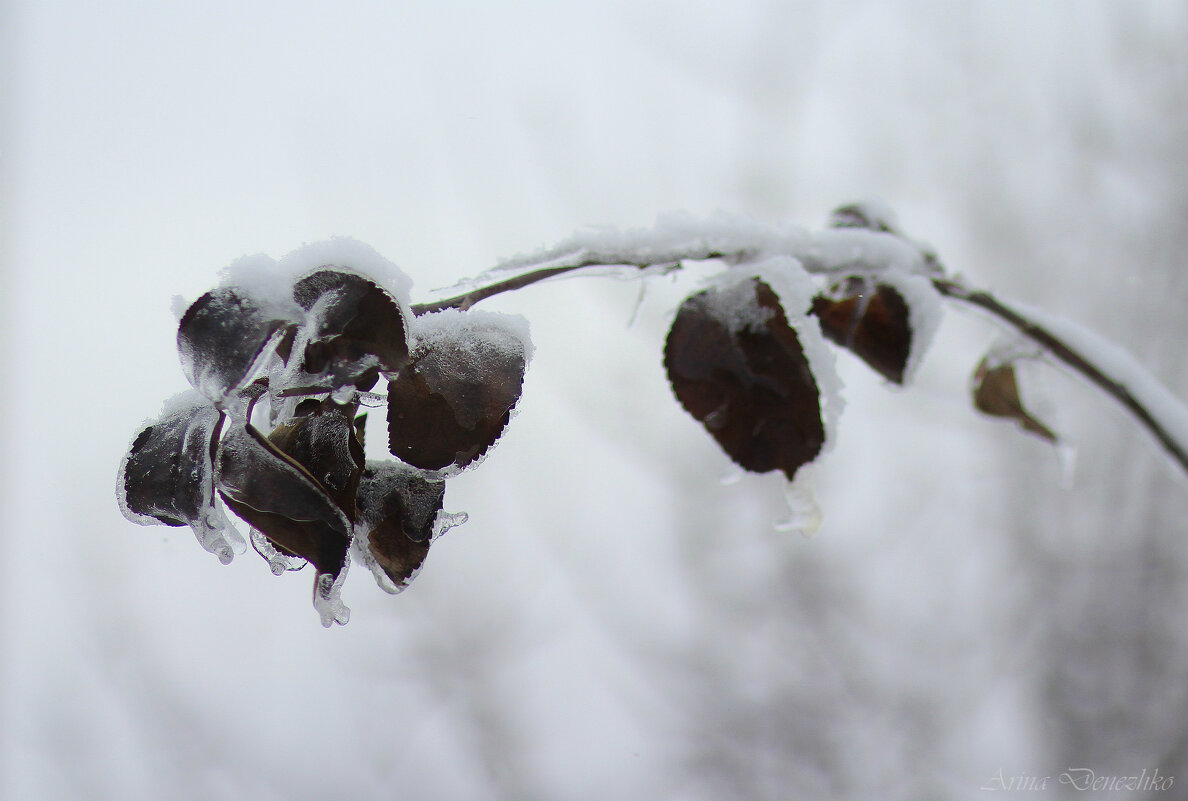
{"points": [[619, 618]]}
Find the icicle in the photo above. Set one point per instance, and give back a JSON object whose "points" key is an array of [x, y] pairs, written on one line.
{"points": [[1066, 458], [731, 475], [327, 598], [444, 521], [278, 562], [804, 512]]}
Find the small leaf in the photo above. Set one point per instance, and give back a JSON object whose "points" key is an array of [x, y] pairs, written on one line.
{"points": [[397, 509], [357, 328], [223, 337], [279, 497], [738, 367], [168, 477], [451, 402], [873, 323], [996, 393]]}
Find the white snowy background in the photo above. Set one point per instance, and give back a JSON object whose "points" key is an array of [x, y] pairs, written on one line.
{"points": [[616, 620]]}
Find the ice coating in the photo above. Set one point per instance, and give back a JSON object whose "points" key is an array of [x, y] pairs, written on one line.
{"points": [[225, 337], [804, 513], [444, 521], [167, 476], [278, 561], [327, 596], [273, 494], [399, 513]]}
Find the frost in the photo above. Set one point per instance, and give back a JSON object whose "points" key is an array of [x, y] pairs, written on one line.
{"points": [[451, 402]]}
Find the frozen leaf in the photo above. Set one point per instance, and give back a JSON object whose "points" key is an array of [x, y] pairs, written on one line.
{"points": [[326, 442], [167, 476], [996, 393], [398, 511], [871, 321], [355, 328], [280, 498], [224, 337], [451, 402], [738, 367]]}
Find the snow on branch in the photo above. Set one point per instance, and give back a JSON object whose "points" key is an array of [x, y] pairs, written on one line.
{"points": [[283, 358]]}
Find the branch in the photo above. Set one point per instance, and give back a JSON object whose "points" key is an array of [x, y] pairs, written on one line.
{"points": [[1104, 364], [836, 252]]}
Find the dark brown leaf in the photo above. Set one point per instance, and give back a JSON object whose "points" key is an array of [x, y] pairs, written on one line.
{"points": [[872, 323], [996, 393], [738, 367], [167, 473], [398, 508], [221, 338], [358, 328], [281, 499], [326, 443], [451, 402]]}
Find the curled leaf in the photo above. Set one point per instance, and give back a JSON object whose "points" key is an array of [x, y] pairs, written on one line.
{"points": [[356, 328], [738, 367], [327, 444], [281, 499], [996, 393], [451, 402], [223, 338], [398, 507], [167, 477], [871, 321]]}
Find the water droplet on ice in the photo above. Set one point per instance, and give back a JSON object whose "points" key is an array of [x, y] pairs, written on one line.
{"points": [[804, 512]]}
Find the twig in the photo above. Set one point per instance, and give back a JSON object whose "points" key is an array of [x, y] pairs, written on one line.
{"points": [[1066, 353]]}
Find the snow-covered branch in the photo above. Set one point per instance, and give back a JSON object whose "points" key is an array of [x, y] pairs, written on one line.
{"points": [[282, 357]]}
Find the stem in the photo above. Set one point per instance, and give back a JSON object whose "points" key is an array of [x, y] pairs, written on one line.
{"points": [[465, 300], [1070, 356], [563, 260]]}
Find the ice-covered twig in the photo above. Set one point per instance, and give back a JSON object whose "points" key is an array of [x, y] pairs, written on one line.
{"points": [[680, 238], [834, 251], [1103, 363]]}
